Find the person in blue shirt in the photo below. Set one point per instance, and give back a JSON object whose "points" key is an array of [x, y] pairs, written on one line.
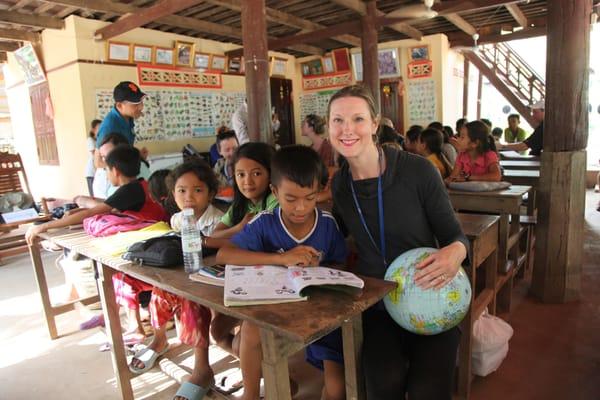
{"points": [[129, 104], [294, 234]]}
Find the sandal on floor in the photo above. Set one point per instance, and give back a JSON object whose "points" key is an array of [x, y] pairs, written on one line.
{"points": [[148, 357], [190, 391]]}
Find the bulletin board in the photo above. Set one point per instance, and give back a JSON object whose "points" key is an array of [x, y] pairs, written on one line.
{"points": [[315, 103], [176, 114], [421, 102]]}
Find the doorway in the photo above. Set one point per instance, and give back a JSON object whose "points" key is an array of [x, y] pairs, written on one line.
{"points": [[392, 101], [281, 101]]}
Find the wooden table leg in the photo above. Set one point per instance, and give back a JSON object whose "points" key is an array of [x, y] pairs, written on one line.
{"points": [[503, 234], [353, 339], [275, 365], [113, 327], [42, 284]]}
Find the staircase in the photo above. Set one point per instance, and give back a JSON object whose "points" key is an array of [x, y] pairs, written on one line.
{"points": [[510, 75]]}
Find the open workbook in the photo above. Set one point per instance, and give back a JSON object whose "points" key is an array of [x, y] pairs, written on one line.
{"points": [[210, 274], [268, 284]]}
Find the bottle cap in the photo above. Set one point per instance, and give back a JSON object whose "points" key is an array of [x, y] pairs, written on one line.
{"points": [[188, 211]]}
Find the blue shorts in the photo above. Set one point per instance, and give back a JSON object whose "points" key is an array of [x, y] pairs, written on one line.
{"points": [[329, 347]]}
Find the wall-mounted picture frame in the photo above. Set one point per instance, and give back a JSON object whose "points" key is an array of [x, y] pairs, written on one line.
{"points": [[201, 60], [419, 53], [389, 63], [30, 65], [341, 60], [217, 62], [142, 53], [164, 55], [118, 51], [184, 53], [312, 67], [357, 67], [278, 66], [234, 65], [328, 66]]}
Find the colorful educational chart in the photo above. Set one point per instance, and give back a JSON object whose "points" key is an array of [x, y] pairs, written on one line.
{"points": [[421, 102], [315, 103], [171, 114]]}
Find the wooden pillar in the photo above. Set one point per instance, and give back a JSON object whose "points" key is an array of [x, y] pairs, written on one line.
{"points": [[256, 58], [479, 92], [559, 235], [369, 52], [466, 88]]}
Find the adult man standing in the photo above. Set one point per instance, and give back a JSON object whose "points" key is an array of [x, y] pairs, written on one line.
{"points": [[535, 142], [129, 104]]}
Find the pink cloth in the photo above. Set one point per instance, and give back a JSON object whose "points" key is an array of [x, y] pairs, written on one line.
{"points": [[128, 289], [479, 166], [194, 319]]}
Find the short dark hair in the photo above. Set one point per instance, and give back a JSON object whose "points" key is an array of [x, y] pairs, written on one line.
{"points": [[460, 123], [412, 134], [200, 168], [517, 116], [316, 122], [225, 135], [299, 164], [125, 159], [93, 126], [487, 122], [115, 138], [385, 134], [436, 125], [497, 132], [159, 191]]}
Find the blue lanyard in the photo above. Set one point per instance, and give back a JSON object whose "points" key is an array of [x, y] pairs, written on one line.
{"points": [[380, 210]]}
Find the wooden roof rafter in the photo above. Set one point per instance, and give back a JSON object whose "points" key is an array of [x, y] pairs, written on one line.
{"points": [[36, 21]]}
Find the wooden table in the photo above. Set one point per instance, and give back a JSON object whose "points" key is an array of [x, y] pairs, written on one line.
{"points": [[521, 164], [522, 177], [507, 204], [513, 155], [285, 328], [482, 232]]}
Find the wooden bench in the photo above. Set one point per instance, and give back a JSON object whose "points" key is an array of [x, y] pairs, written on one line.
{"points": [[518, 164]]}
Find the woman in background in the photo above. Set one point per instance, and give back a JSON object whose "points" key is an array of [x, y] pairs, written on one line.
{"points": [[90, 169]]}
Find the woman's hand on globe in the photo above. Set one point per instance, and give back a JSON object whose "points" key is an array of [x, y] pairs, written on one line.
{"points": [[439, 268]]}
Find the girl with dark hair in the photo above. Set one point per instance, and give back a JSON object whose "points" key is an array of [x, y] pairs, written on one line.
{"points": [[251, 188], [367, 192], [430, 146], [478, 160], [313, 127], [90, 168]]}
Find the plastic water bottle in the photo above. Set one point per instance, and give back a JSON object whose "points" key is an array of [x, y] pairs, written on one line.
{"points": [[191, 242]]}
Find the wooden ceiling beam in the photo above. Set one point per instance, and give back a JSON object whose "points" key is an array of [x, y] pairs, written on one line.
{"points": [[287, 19], [402, 27], [37, 21], [314, 36], [461, 24], [65, 12], [19, 35], [517, 14], [9, 46], [496, 38], [143, 17], [458, 6], [19, 4]]}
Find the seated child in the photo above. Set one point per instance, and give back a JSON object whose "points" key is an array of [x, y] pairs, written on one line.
{"points": [[294, 234], [429, 146], [227, 144], [193, 185], [412, 137], [131, 198], [251, 191], [477, 160]]}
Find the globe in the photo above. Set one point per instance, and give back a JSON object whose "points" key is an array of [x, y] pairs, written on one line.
{"points": [[429, 311]]}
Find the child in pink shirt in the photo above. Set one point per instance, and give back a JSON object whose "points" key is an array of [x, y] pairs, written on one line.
{"points": [[477, 160]]}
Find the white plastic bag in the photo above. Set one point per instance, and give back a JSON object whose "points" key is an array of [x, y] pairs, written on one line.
{"points": [[490, 343]]}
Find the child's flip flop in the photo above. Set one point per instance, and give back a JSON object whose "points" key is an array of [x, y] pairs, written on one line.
{"points": [[190, 391], [148, 357]]}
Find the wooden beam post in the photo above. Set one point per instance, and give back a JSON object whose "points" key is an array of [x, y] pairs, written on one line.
{"points": [[466, 88], [369, 52], [36, 21], [559, 235], [256, 57]]}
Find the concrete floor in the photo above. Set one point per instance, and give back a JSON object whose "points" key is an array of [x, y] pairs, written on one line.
{"points": [[554, 353]]}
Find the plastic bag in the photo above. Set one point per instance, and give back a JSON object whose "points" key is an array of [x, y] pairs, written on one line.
{"points": [[490, 343]]}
